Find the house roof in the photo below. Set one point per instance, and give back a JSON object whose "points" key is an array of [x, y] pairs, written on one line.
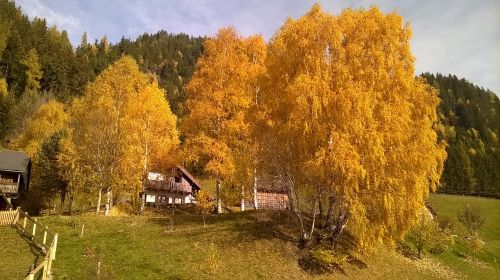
{"points": [[18, 162], [14, 161], [189, 175]]}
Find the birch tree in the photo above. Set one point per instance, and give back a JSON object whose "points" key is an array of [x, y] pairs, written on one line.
{"points": [[150, 135], [347, 124], [119, 127], [218, 98]]}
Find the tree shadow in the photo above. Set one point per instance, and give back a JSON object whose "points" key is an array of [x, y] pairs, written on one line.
{"points": [[243, 226], [35, 250]]}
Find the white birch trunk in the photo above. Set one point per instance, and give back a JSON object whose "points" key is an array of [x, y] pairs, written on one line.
{"points": [[255, 204], [108, 203], [98, 208], [143, 201], [219, 203], [242, 198]]}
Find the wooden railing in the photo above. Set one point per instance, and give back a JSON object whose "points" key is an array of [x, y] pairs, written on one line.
{"points": [[44, 239], [7, 217]]}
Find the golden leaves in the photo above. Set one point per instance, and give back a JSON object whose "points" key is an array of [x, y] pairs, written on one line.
{"points": [[122, 128], [48, 119], [342, 98], [218, 100]]}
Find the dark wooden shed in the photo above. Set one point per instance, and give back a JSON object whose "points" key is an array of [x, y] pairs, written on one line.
{"points": [[15, 172]]}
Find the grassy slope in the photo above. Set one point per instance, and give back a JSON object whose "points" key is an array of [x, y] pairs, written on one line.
{"points": [[16, 255], [232, 246], [487, 264]]}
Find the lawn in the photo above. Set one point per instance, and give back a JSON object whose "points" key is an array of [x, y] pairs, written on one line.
{"points": [[16, 255], [231, 246], [486, 264]]}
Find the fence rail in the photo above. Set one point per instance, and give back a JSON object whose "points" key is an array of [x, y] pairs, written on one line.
{"points": [[7, 217], [44, 239]]}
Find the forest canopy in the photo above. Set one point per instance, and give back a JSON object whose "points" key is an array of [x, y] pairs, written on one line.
{"points": [[330, 107]]}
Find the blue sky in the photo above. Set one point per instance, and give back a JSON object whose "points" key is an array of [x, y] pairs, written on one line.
{"points": [[461, 37]]}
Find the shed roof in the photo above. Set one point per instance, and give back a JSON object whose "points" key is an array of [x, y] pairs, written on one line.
{"points": [[189, 175], [14, 161], [17, 162]]}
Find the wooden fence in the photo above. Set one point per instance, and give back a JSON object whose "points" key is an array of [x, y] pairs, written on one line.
{"points": [[7, 217], [43, 239]]}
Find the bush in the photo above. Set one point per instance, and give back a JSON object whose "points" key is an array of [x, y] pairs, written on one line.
{"points": [[431, 235], [474, 244], [470, 217]]}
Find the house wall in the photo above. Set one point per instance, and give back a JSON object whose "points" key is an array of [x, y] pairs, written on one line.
{"points": [[269, 200], [166, 198]]}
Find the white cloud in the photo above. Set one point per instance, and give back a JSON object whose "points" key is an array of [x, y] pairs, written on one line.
{"points": [[461, 37], [35, 8]]}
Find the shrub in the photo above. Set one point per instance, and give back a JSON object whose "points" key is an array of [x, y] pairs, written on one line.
{"points": [[431, 235], [470, 217], [474, 244]]}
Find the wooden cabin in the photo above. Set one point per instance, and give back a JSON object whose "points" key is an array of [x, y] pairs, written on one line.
{"points": [[15, 172], [270, 194], [178, 189]]}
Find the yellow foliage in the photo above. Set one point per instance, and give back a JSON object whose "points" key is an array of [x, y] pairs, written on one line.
{"points": [[121, 128], [345, 113], [3, 87], [48, 119], [218, 98]]}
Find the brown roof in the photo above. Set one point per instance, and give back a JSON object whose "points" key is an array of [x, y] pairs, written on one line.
{"points": [[189, 176], [17, 162]]}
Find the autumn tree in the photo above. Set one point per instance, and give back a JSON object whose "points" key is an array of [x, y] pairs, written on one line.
{"points": [[33, 70], [120, 128], [150, 135], [348, 126], [218, 98], [204, 203], [48, 119]]}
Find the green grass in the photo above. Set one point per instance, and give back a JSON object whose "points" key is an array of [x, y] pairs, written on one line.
{"points": [[232, 246], [16, 255], [485, 265]]}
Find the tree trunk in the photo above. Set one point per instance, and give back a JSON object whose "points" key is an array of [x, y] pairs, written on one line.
{"points": [[203, 213], [63, 198], [311, 231], [70, 203], [242, 198], [143, 201], [219, 203], [108, 202], [255, 203], [98, 208], [111, 199]]}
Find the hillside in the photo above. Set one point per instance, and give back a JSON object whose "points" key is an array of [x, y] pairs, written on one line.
{"points": [[469, 114], [233, 246], [470, 123]]}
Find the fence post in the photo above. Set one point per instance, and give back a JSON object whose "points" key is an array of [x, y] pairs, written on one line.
{"points": [[45, 270], [24, 222], [48, 260], [16, 218], [31, 275], [45, 235], [34, 227], [54, 248]]}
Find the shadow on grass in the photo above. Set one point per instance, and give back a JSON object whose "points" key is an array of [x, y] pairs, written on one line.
{"points": [[271, 225], [35, 250]]}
